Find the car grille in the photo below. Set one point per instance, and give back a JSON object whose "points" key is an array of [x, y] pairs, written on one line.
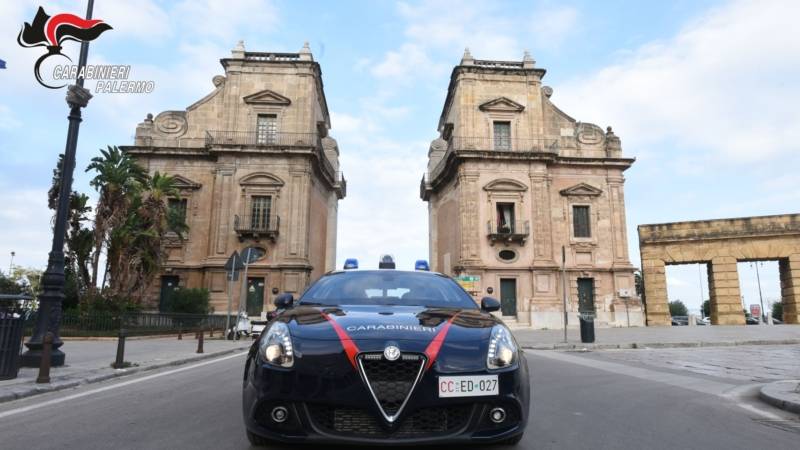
{"points": [[353, 422], [391, 382]]}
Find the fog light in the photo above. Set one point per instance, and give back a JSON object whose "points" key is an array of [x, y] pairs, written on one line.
{"points": [[280, 414], [497, 415]]}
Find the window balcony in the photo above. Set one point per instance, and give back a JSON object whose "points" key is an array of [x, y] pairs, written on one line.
{"points": [[503, 144], [257, 227], [516, 231], [261, 139]]}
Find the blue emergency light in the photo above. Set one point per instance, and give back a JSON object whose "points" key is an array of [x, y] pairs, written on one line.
{"points": [[350, 263], [421, 264]]}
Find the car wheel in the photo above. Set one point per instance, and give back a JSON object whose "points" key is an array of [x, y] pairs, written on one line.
{"points": [[512, 441], [256, 440]]}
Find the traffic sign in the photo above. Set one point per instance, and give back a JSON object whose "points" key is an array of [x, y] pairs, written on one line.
{"points": [[233, 266]]}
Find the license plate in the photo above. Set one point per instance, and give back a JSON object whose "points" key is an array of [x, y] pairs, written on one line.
{"points": [[468, 386]]}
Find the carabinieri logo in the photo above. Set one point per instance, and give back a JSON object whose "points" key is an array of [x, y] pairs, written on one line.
{"points": [[51, 32]]}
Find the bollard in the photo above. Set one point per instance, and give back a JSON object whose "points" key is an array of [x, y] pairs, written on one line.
{"points": [[692, 320], [44, 366], [119, 363], [211, 332], [200, 341], [769, 319], [180, 334]]}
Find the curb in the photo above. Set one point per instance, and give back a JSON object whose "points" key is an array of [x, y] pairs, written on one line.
{"points": [[651, 345], [53, 387], [782, 394]]}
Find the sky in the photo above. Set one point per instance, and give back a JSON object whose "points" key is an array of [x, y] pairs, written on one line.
{"points": [[703, 93]]}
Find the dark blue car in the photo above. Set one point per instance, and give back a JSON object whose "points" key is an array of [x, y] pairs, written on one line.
{"points": [[385, 357]]}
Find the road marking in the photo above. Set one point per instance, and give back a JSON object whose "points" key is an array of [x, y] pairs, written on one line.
{"points": [[728, 391], [28, 408]]}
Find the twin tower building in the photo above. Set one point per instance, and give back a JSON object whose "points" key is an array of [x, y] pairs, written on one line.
{"points": [[524, 201]]}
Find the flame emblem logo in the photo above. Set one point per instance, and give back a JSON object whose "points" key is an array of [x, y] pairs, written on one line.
{"points": [[51, 31]]}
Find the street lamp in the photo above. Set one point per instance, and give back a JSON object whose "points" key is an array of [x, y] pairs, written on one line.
{"points": [[11, 264], [49, 316]]}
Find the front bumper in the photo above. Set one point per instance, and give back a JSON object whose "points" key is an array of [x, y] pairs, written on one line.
{"points": [[331, 404]]}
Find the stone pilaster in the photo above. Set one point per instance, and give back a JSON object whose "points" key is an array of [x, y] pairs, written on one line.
{"points": [[222, 211], [541, 219], [655, 290], [468, 211], [790, 288], [723, 287], [620, 241]]}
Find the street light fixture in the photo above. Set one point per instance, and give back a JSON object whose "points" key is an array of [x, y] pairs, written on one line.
{"points": [[49, 316]]}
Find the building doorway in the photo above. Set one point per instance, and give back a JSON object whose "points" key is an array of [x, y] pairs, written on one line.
{"points": [[169, 283], [255, 296], [586, 295], [508, 296]]}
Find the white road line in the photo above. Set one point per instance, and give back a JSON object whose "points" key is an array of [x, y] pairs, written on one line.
{"points": [[725, 390], [24, 409]]}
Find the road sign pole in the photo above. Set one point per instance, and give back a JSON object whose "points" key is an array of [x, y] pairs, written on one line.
{"points": [[564, 286], [230, 300], [243, 289]]}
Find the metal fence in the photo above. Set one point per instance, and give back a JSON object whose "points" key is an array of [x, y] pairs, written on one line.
{"points": [[75, 324]]}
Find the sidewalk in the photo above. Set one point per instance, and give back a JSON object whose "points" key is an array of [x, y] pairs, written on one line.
{"points": [[661, 337], [89, 361]]}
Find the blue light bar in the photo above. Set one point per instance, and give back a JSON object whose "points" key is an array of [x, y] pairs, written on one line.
{"points": [[421, 264], [350, 263]]}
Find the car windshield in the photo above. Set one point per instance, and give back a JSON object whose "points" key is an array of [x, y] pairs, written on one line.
{"points": [[384, 287]]}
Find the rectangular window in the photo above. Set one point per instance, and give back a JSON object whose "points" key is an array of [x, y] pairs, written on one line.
{"points": [[260, 206], [581, 225], [177, 207], [502, 135], [266, 129], [505, 218]]}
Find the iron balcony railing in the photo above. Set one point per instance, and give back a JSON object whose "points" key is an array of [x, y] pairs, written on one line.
{"points": [[516, 231], [257, 226], [256, 139], [503, 144], [74, 323]]}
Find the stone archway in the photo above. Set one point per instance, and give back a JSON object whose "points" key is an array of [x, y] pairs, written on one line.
{"points": [[720, 244]]}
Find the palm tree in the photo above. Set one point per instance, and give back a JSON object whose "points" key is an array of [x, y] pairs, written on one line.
{"points": [[118, 180]]}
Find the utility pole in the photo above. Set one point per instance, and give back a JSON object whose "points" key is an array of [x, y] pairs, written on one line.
{"points": [[11, 264], [564, 286], [763, 313], [48, 318]]}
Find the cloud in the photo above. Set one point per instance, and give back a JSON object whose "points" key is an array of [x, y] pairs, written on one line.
{"points": [[722, 86], [142, 20], [7, 120], [26, 225], [224, 20]]}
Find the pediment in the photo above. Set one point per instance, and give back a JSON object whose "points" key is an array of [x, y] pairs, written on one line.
{"points": [[267, 97], [501, 104], [262, 179], [505, 185], [181, 182], [582, 189]]}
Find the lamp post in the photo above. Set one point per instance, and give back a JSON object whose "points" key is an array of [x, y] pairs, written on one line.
{"points": [[49, 316], [11, 264]]}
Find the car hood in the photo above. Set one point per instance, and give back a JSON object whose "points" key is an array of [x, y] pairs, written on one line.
{"points": [[382, 323]]}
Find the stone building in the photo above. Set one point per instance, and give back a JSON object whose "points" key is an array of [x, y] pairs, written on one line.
{"points": [[256, 169], [512, 180]]}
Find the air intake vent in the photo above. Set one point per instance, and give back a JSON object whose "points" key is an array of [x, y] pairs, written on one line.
{"points": [[391, 382]]}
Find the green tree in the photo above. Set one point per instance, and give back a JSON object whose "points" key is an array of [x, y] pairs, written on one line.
{"points": [[707, 308], [777, 310], [677, 308], [118, 180], [638, 281]]}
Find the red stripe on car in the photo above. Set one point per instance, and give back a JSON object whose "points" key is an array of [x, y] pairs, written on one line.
{"points": [[350, 347], [436, 344]]}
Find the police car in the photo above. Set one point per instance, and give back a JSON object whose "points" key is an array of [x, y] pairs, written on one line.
{"points": [[385, 357]]}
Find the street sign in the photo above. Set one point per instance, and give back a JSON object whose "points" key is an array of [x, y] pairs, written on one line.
{"points": [[233, 266]]}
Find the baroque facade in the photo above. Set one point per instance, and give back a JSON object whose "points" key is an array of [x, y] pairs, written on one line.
{"points": [[511, 181], [256, 170]]}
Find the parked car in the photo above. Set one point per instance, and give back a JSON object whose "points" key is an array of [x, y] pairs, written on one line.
{"points": [[678, 321]]}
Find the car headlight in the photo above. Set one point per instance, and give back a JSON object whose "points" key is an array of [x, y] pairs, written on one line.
{"points": [[276, 346], [502, 348]]}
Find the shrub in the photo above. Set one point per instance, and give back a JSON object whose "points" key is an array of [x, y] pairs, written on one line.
{"points": [[188, 300], [777, 310], [677, 308]]}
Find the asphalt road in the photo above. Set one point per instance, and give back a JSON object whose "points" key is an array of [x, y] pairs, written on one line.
{"points": [[580, 402]]}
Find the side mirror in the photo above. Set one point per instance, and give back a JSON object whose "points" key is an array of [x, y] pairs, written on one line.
{"points": [[489, 304], [284, 301]]}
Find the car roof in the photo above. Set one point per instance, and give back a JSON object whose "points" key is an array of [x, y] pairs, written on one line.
{"points": [[419, 272]]}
